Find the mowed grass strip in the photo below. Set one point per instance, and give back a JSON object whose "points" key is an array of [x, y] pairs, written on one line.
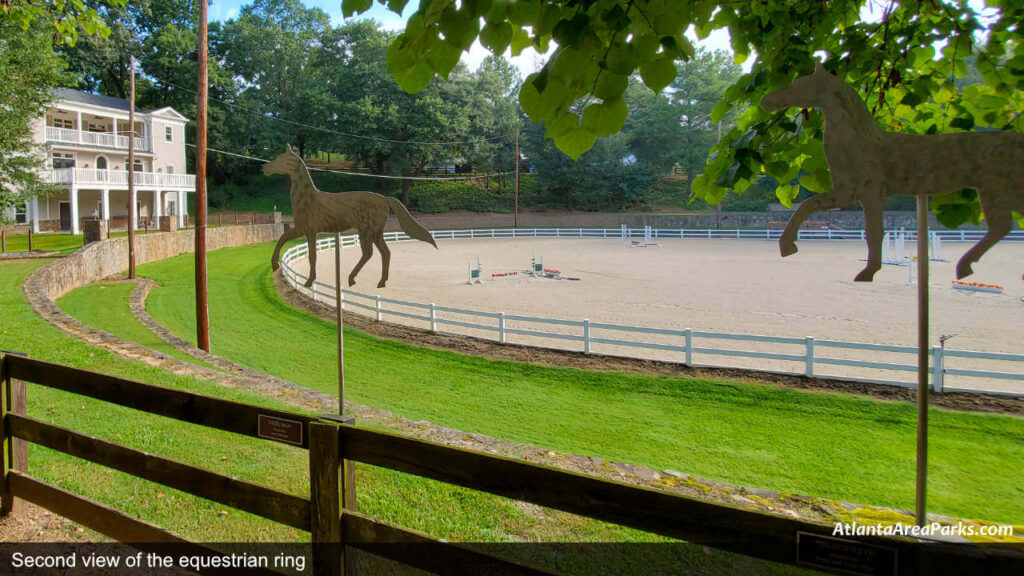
{"points": [[446, 511], [106, 306], [820, 444]]}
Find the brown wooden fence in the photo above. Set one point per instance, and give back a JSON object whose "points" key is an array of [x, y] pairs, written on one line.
{"points": [[334, 524]]}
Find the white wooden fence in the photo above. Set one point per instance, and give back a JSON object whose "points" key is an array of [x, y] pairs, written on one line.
{"points": [[803, 353]]}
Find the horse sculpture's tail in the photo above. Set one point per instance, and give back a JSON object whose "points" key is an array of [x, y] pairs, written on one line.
{"points": [[411, 227]]}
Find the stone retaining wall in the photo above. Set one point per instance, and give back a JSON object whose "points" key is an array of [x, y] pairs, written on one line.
{"points": [[102, 259]]}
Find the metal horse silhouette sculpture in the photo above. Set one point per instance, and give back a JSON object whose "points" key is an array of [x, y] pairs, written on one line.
{"points": [[868, 164], [317, 211]]}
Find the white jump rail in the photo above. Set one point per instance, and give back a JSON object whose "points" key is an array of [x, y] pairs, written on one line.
{"points": [[687, 343]]}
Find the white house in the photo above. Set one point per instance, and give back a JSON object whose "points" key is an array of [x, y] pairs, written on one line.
{"points": [[86, 137]]}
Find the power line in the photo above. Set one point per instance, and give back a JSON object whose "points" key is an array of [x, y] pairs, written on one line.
{"points": [[337, 132], [383, 176]]}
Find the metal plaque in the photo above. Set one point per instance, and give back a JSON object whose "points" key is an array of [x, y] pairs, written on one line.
{"points": [[280, 429], [844, 556]]}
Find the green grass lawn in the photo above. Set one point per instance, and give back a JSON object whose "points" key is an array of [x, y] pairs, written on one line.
{"points": [[446, 511], [116, 317], [819, 444]]}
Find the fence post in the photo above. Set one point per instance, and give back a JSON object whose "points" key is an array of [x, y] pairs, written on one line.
{"points": [[3, 240], [809, 357], [327, 485], [433, 317], [937, 369], [377, 300], [13, 451], [29, 238], [689, 347], [501, 327], [586, 336]]}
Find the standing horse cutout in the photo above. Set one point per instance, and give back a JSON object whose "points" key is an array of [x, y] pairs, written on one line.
{"points": [[317, 211], [869, 164]]}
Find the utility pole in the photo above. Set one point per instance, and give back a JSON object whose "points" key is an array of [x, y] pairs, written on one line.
{"points": [[515, 213], [202, 307], [131, 169]]}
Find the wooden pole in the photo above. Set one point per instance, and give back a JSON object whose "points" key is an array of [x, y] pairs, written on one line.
{"points": [[515, 217], [922, 358], [131, 170], [337, 312], [202, 308], [13, 451]]}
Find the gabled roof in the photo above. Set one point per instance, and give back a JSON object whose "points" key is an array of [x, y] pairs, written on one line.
{"points": [[79, 97]]}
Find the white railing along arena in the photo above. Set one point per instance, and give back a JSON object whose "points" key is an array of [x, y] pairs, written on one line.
{"points": [[686, 344]]}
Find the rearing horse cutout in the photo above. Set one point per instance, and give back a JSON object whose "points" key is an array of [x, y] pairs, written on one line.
{"points": [[317, 211], [868, 164]]}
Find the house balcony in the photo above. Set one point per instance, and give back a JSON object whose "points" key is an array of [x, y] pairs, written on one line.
{"points": [[104, 139], [117, 179]]}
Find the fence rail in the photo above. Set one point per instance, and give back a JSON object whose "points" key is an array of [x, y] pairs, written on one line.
{"points": [[803, 353], [329, 515]]}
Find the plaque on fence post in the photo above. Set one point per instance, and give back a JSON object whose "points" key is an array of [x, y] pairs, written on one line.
{"points": [[280, 429], [844, 556]]}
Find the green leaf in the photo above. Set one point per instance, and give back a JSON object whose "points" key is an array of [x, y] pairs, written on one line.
{"points": [[397, 6], [786, 193], [610, 85], [621, 59], [350, 7], [963, 123], [416, 78], [658, 73], [520, 41], [606, 118], [497, 37], [561, 125], [719, 110], [576, 142], [529, 99], [818, 182]]}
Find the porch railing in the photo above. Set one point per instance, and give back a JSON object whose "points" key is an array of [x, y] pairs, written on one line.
{"points": [[106, 139], [117, 178]]}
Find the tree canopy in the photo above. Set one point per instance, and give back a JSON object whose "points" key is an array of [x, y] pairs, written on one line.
{"points": [[903, 56]]}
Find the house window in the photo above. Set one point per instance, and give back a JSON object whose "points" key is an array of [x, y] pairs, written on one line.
{"points": [[62, 123], [63, 160], [169, 169], [169, 134], [21, 213], [138, 166]]}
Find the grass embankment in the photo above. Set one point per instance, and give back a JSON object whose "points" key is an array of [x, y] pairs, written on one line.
{"points": [[819, 444], [446, 511]]}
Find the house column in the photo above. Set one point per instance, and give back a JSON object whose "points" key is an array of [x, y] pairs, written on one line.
{"points": [[73, 200], [35, 214], [78, 116], [182, 208], [157, 208], [105, 205]]}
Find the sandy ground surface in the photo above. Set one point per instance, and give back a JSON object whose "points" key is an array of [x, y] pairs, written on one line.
{"points": [[734, 286]]}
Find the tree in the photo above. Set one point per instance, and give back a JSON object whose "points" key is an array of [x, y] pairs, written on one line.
{"points": [[101, 63], [29, 70], [903, 63], [270, 50]]}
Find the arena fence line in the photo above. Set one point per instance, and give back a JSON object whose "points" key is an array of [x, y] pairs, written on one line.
{"points": [[803, 353]]}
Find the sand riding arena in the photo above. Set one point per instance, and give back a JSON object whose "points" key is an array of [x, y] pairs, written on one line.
{"points": [[731, 302]]}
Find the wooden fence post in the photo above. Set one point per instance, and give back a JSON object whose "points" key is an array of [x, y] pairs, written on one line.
{"points": [[3, 240], [13, 451], [30, 239], [326, 485]]}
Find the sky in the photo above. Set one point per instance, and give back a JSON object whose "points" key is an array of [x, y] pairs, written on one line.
{"points": [[527, 62]]}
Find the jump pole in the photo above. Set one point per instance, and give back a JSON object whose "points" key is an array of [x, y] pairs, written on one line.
{"points": [[922, 359]]}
